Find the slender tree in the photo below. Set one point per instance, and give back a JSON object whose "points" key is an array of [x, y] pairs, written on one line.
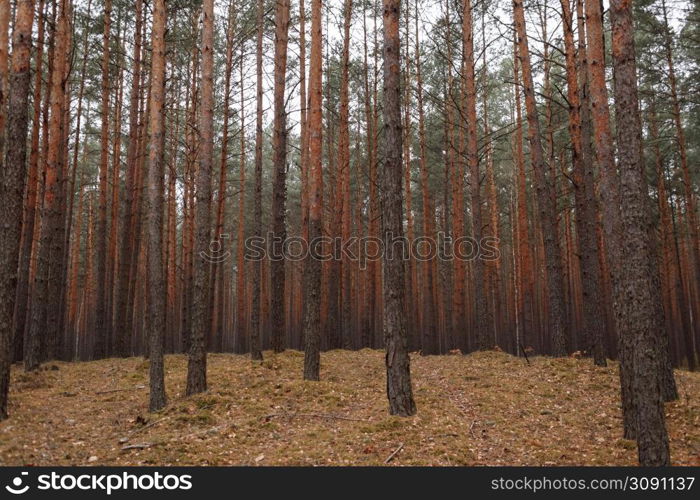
{"points": [[344, 176], [102, 327], [122, 320], [31, 195], [47, 282], [279, 190], [398, 373], [586, 202], [197, 359], [154, 211], [255, 349], [312, 268], [545, 194], [483, 313], [216, 285]]}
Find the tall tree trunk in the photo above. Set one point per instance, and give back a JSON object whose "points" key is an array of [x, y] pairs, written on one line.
{"points": [[102, 327], [667, 221], [5, 14], [123, 323], [279, 190], [197, 358], [430, 320], [371, 277], [72, 353], [493, 267], [398, 373], [640, 316], [255, 348], [545, 199], [414, 322], [31, 197], [216, 285], [447, 267], [586, 203], [688, 192], [344, 173], [47, 286], [241, 298], [312, 267], [303, 143], [12, 187], [112, 262], [154, 212], [483, 313]]}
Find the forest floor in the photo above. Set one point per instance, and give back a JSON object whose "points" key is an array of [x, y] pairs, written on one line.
{"points": [[486, 408]]}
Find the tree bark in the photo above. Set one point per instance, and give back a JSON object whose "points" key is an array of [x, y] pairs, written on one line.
{"points": [[545, 199], [344, 172], [430, 319], [123, 322], [154, 212], [586, 202], [312, 268], [30, 199], [255, 350], [197, 356], [483, 313], [398, 374], [5, 14], [279, 190], [101, 326], [12, 187], [47, 286], [641, 316]]}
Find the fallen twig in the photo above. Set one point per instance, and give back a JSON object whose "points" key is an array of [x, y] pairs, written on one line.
{"points": [[137, 446], [472, 427], [316, 415], [393, 453], [522, 348], [110, 391], [140, 429]]}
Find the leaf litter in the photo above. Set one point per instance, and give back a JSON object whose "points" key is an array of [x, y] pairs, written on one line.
{"points": [[486, 408]]}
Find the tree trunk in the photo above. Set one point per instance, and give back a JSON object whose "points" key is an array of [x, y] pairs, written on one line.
{"points": [[47, 286], [279, 190], [241, 317], [255, 350], [682, 146], [31, 198], [586, 203], [398, 374], [12, 187], [154, 212], [483, 313], [430, 320], [5, 14], [312, 267], [197, 358], [344, 173], [216, 285], [641, 316], [545, 199], [371, 276], [101, 326], [122, 320]]}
